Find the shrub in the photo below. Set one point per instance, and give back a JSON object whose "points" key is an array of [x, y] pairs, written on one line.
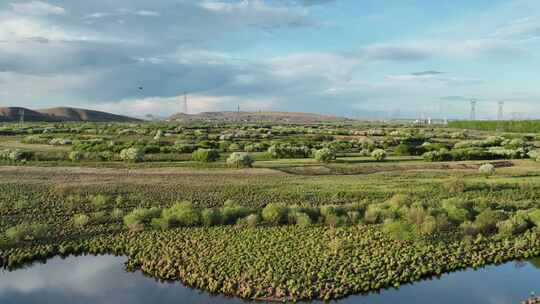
{"points": [[98, 201], [75, 156], [117, 213], [455, 186], [80, 220], [60, 142], [415, 215], [211, 217], [535, 155], [105, 156], [275, 213], [379, 154], [240, 160], [398, 230], [20, 155], [26, 232], [428, 226], [334, 220], [234, 147], [534, 216], [377, 214], [486, 221], [140, 217], [302, 219], [325, 155], [435, 156], [231, 213], [288, 151], [205, 155], [354, 216], [468, 228], [512, 226], [132, 155], [250, 221], [487, 169], [181, 214], [455, 211]]}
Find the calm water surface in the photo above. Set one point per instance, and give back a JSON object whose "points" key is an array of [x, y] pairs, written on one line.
{"points": [[102, 279]]}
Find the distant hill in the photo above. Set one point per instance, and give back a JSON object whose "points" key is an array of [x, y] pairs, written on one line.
{"points": [[59, 114], [288, 117]]}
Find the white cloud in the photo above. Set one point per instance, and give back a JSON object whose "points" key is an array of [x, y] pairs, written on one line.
{"points": [[527, 27], [332, 66], [258, 13], [420, 50], [122, 12], [422, 79], [37, 8], [18, 29]]}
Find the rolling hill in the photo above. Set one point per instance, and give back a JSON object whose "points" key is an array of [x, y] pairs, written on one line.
{"points": [[282, 117], [59, 114]]}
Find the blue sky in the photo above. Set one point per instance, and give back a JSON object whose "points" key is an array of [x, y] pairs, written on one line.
{"points": [[362, 58]]}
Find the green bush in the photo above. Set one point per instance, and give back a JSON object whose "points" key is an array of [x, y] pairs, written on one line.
{"points": [[211, 217], [75, 156], [26, 232], [181, 214], [117, 213], [324, 155], [398, 230], [487, 169], [20, 155], [205, 155], [105, 156], [288, 151], [486, 221], [240, 160], [534, 216], [140, 217], [231, 213], [379, 154], [512, 226], [302, 219], [98, 201], [456, 211], [251, 221], [80, 220], [275, 213], [132, 155]]}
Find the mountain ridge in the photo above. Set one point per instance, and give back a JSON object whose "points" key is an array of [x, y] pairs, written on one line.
{"points": [[61, 114]]}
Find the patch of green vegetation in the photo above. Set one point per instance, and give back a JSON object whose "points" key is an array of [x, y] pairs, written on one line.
{"points": [[361, 211]]}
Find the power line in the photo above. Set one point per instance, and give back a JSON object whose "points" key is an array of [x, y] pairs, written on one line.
{"points": [[185, 104], [21, 118], [500, 111], [473, 109]]}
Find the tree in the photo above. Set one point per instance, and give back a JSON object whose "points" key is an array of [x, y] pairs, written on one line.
{"points": [[132, 155], [379, 154], [205, 155], [240, 160], [324, 155], [487, 169]]}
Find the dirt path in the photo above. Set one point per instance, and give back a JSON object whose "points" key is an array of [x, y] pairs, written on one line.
{"points": [[377, 168], [104, 175]]}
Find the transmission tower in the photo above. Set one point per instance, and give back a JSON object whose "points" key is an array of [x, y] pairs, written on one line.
{"points": [[185, 104], [473, 109], [500, 111], [21, 118]]}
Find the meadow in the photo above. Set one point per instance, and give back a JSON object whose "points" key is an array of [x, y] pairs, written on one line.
{"points": [[270, 212]]}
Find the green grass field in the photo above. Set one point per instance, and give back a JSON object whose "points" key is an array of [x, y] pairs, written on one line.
{"points": [[280, 228]]}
